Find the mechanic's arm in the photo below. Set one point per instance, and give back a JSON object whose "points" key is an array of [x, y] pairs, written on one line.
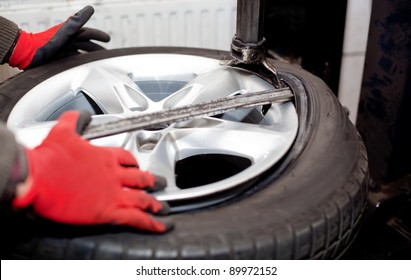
{"points": [[67, 180], [24, 50]]}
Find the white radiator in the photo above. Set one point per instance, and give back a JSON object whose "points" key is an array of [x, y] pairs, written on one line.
{"points": [[190, 23]]}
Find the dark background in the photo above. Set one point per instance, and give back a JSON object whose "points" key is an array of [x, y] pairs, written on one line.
{"points": [[310, 33]]}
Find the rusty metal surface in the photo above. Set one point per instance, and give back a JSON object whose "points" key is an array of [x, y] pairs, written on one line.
{"points": [[384, 115]]}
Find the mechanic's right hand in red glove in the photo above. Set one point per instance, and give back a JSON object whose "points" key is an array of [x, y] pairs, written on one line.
{"points": [[73, 182]]}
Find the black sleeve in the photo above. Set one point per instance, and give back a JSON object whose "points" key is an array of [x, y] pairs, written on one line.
{"points": [[13, 165], [9, 33]]}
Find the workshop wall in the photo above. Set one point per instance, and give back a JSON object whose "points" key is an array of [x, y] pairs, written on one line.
{"points": [[187, 23]]}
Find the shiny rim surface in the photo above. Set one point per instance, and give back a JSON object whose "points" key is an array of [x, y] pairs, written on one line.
{"points": [[204, 160]]}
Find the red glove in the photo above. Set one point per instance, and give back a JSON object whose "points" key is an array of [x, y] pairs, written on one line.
{"points": [[77, 183], [60, 40]]}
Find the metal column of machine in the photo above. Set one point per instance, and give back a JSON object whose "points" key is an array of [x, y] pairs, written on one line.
{"points": [[247, 46], [248, 43]]}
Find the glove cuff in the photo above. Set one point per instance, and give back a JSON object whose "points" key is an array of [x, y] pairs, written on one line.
{"points": [[22, 53], [9, 34], [12, 48]]}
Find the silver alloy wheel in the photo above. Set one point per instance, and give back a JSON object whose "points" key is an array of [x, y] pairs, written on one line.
{"points": [[204, 160]]}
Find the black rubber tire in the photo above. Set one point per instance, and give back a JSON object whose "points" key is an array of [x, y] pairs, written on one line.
{"points": [[309, 206]]}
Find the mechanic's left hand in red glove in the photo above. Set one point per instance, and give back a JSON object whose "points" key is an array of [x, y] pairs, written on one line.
{"points": [[71, 181], [61, 40]]}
